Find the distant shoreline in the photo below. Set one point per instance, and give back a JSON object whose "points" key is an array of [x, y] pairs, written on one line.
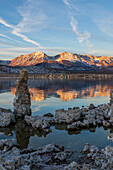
{"points": [[77, 75]]}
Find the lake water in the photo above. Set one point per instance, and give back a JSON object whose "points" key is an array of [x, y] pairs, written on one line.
{"points": [[49, 95]]}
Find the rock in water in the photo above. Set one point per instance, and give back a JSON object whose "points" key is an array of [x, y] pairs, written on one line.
{"points": [[22, 101]]}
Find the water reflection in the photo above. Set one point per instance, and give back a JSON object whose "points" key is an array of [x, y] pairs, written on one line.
{"points": [[74, 140], [21, 132], [65, 90]]}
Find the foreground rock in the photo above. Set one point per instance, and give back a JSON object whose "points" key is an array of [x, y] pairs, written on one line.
{"points": [[50, 156], [54, 157], [22, 101], [100, 158], [6, 117]]}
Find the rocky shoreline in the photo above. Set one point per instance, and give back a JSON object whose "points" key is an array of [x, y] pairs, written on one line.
{"points": [[53, 157]]}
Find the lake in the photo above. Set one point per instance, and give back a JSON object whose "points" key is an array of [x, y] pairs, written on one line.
{"points": [[50, 95]]}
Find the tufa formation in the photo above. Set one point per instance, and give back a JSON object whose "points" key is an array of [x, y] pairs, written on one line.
{"points": [[111, 104], [22, 101]]}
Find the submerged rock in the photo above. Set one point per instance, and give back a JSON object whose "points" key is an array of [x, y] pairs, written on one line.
{"points": [[6, 117], [22, 101]]}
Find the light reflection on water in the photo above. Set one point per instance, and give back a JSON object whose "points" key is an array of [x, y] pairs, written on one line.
{"points": [[49, 95]]}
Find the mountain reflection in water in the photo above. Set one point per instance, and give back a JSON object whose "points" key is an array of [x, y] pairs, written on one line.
{"points": [[66, 90], [49, 95], [66, 94]]}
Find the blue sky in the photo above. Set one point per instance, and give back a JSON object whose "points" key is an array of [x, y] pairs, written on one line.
{"points": [[54, 26]]}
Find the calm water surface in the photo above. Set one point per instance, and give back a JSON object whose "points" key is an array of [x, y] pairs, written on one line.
{"points": [[49, 95]]}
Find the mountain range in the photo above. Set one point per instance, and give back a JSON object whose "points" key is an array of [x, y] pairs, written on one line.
{"points": [[63, 61]]}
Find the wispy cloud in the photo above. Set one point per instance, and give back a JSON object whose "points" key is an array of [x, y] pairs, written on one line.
{"points": [[16, 51], [12, 40], [5, 36], [82, 37], [101, 52], [16, 31], [105, 24], [33, 17], [67, 3]]}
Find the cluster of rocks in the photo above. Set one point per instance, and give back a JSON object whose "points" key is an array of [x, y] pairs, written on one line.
{"points": [[22, 101], [54, 157], [100, 158], [50, 156], [41, 123], [6, 117], [74, 119], [85, 117]]}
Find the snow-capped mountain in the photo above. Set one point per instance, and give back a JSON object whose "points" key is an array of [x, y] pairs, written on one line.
{"points": [[64, 61]]}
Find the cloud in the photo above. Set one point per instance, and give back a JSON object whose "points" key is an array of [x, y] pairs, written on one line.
{"points": [[9, 38], [4, 23], [16, 51], [16, 31], [33, 17], [105, 24], [82, 37], [25, 38], [67, 3], [5, 36], [100, 52]]}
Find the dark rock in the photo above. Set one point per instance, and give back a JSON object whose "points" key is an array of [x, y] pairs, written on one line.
{"points": [[48, 115], [91, 106]]}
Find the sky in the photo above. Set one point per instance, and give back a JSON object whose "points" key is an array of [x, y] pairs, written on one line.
{"points": [[55, 26]]}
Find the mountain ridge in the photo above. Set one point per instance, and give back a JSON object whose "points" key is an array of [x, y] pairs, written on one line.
{"points": [[40, 57]]}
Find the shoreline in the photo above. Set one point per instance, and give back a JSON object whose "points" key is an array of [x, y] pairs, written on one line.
{"points": [[82, 75]]}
